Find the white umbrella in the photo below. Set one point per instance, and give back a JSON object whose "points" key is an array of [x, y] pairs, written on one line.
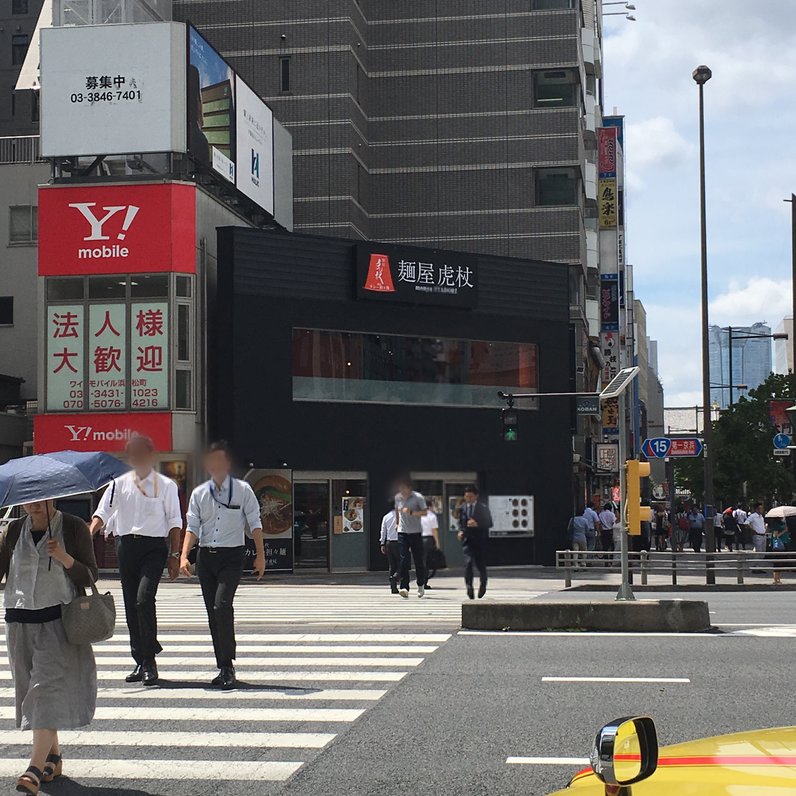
{"points": [[780, 512]]}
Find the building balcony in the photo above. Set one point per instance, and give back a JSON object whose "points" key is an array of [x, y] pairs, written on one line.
{"points": [[19, 149]]}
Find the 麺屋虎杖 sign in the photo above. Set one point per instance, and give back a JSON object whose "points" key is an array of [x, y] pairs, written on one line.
{"points": [[416, 276], [99, 432], [117, 229]]}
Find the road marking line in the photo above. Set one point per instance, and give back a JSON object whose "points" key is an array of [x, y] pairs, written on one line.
{"points": [[117, 713], [235, 740], [581, 634], [547, 761], [199, 694], [169, 663], [173, 770], [615, 680], [247, 649], [261, 677], [295, 638]]}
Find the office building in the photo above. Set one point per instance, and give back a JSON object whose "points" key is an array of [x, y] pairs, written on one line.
{"points": [[740, 360]]}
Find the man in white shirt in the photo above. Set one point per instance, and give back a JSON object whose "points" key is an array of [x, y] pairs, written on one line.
{"points": [[757, 527], [430, 534], [390, 547], [742, 535], [219, 512], [144, 508]]}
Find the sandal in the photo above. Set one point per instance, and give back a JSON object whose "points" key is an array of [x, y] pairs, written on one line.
{"points": [[30, 781], [53, 768]]}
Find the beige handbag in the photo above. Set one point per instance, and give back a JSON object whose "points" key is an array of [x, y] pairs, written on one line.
{"points": [[89, 618]]}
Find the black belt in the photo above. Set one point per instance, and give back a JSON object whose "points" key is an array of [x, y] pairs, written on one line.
{"points": [[208, 549], [142, 536]]}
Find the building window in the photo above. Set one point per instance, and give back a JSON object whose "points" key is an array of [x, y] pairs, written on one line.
{"points": [[6, 310], [551, 5], [34, 106], [71, 288], [183, 397], [23, 224], [556, 88], [284, 74], [19, 49], [377, 368], [19, 6], [556, 187]]}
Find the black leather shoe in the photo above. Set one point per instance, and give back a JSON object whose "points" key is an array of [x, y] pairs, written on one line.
{"points": [[216, 680], [481, 590], [228, 680], [470, 592], [149, 673], [135, 676]]}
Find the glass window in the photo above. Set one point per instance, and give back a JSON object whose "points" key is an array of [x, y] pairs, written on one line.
{"points": [[551, 5], [6, 310], [19, 49], [23, 224], [346, 366], [183, 288], [69, 289], [150, 286], [557, 88], [183, 333], [284, 73], [183, 397], [19, 6], [556, 187], [107, 287]]}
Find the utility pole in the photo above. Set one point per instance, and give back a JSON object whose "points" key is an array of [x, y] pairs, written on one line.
{"points": [[729, 356]]}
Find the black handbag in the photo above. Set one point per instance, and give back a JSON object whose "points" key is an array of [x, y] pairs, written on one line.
{"points": [[436, 560]]}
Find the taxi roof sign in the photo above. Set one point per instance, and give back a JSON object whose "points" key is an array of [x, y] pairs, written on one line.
{"points": [[619, 383]]}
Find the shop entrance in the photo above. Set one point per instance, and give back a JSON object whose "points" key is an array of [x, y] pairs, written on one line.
{"points": [[330, 531]]}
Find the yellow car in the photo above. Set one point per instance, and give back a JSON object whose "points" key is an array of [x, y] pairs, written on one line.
{"points": [[626, 761]]}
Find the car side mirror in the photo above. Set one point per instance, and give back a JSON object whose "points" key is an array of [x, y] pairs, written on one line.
{"points": [[625, 752]]}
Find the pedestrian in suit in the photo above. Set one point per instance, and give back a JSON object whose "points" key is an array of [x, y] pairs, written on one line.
{"points": [[475, 520], [390, 547]]}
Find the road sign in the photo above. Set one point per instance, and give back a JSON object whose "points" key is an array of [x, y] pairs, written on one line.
{"points": [[657, 448], [679, 447], [781, 441], [781, 452], [588, 405]]}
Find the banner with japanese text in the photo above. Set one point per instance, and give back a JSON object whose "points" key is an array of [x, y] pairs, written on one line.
{"points": [[150, 355], [607, 203], [107, 381], [65, 358]]}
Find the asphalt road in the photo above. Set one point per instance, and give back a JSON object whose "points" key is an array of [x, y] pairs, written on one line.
{"points": [[349, 690]]}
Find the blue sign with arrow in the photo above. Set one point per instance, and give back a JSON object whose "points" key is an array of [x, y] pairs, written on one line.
{"points": [[657, 448], [781, 441]]}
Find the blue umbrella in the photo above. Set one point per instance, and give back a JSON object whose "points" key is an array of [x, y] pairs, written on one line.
{"points": [[56, 475]]}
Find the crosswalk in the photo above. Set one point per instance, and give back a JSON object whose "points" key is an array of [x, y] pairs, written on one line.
{"points": [[297, 692]]}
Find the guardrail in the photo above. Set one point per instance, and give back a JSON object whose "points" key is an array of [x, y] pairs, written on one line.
{"points": [[19, 149], [737, 565]]}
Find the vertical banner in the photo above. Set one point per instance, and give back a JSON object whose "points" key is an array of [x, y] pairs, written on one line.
{"points": [[607, 151], [607, 203], [611, 416], [609, 345], [149, 355], [274, 491], [609, 302], [65, 358], [353, 515], [107, 349]]}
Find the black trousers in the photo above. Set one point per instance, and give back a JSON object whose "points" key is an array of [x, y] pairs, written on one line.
{"points": [[394, 561], [474, 549], [219, 570], [412, 547], [141, 562], [429, 546]]}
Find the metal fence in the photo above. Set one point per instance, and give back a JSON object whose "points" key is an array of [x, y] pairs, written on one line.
{"points": [[712, 566], [19, 149]]}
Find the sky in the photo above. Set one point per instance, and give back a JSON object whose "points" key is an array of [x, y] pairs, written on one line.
{"points": [[751, 166]]}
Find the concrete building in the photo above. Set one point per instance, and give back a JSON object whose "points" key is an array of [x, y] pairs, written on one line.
{"points": [[19, 110], [744, 367], [783, 348]]}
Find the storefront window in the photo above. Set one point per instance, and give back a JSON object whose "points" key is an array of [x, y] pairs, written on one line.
{"points": [[346, 366]]}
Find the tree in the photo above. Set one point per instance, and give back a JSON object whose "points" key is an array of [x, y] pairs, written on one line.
{"points": [[743, 451]]}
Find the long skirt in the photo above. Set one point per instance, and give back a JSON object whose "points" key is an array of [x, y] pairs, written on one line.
{"points": [[55, 682]]}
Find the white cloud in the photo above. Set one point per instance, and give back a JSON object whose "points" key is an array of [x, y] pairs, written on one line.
{"points": [[654, 143], [760, 299]]}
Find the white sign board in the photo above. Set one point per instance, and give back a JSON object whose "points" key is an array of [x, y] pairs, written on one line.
{"points": [[65, 358], [255, 147], [512, 515], [149, 355], [107, 353], [113, 89]]}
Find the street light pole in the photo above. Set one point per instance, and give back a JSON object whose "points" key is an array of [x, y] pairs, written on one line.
{"points": [[729, 336], [701, 76]]}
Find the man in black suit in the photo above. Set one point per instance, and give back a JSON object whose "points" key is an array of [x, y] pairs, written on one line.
{"points": [[475, 520]]}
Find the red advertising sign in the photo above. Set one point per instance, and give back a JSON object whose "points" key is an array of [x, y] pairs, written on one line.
{"points": [[607, 143], [117, 229], [779, 416], [99, 432], [686, 447]]}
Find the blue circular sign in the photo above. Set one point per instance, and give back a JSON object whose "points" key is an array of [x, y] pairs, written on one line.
{"points": [[781, 441]]}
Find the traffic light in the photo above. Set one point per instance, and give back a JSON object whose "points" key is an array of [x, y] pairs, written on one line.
{"points": [[636, 513], [510, 425]]}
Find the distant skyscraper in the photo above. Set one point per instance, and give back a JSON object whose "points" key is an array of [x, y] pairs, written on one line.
{"points": [[751, 360]]}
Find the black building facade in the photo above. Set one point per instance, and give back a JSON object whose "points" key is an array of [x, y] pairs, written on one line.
{"points": [[338, 366]]}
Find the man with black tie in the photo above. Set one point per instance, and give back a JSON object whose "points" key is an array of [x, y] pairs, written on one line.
{"points": [[475, 520]]}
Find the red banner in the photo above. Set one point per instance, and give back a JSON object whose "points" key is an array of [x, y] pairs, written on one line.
{"points": [[117, 229], [607, 144], [99, 432]]}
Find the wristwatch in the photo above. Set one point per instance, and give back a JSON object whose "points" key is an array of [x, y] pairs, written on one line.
{"points": [[175, 554]]}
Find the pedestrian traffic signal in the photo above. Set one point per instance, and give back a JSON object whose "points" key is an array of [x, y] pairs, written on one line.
{"points": [[636, 513], [510, 420]]}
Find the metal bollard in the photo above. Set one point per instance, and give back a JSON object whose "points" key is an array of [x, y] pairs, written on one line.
{"points": [[674, 569], [739, 568], [568, 569], [644, 563]]}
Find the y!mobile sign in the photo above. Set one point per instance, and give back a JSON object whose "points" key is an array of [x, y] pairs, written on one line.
{"points": [[99, 432], [118, 229]]}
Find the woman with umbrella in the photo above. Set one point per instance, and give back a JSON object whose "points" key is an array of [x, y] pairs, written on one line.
{"points": [[777, 521], [47, 559]]}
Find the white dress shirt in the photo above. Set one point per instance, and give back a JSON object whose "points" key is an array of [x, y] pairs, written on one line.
{"points": [[144, 507], [756, 522], [428, 523], [389, 528], [219, 516]]}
